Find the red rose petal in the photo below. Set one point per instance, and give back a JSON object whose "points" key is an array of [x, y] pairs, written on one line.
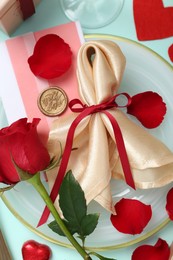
{"points": [[160, 251], [169, 203], [148, 107], [27, 150], [52, 57], [170, 52], [132, 216]]}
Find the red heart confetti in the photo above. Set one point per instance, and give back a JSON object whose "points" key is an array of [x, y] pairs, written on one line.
{"points": [[160, 251], [132, 216], [170, 52], [32, 250], [152, 20], [148, 107]]}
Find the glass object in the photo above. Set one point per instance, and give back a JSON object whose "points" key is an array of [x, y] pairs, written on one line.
{"points": [[92, 14]]}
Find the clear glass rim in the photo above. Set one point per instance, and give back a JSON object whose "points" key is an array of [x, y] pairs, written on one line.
{"points": [[87, 25]]}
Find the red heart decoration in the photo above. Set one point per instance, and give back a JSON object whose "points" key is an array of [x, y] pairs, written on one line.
{"points": [[32, 250], [170, 52], [152, 20]]}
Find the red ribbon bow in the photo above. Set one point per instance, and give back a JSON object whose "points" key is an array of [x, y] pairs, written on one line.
{"points": [[27, 7], [85, 111]]}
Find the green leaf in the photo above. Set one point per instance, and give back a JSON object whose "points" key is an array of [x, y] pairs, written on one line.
{"points": [[72, 201], [74, 209], [56, 228], [88, 224]]}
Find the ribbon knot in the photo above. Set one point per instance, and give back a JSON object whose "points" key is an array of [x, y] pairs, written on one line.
{"points": [[111, 103], [85, 111]]}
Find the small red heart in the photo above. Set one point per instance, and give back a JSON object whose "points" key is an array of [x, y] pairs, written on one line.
{"points": [[170, 52], [152, 20], [32, 250]]}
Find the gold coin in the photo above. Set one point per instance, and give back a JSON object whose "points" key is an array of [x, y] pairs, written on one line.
{"points": [[52, 101]]}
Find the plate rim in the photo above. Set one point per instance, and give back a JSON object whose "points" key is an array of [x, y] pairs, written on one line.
{"points": [[99, 248], [124, 39], [63, 244]]}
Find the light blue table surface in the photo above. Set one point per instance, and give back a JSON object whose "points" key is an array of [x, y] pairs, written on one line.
{"points": [[49, 14]]}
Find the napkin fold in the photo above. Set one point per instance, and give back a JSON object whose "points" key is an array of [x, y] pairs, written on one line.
{"points": [[96, 159]]}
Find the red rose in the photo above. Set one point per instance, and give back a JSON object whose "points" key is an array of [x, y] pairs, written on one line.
{"points": [[20, 143]]}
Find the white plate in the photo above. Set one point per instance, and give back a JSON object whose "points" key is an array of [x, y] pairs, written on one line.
{"points": [[145, 70]]}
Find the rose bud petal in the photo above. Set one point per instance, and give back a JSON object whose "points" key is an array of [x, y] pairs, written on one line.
{"points": [[52, 57], [148, 107], [131, 216], [20, 143], [160, 251], [169, 203]]}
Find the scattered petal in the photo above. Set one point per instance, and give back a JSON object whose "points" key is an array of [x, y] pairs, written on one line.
{"points": [[52, 57], [148, 107], [169, 203], [160, 251], [132, 216], [170, 52]]}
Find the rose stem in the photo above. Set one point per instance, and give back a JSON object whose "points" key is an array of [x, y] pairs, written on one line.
{"points": [[37, 184]]}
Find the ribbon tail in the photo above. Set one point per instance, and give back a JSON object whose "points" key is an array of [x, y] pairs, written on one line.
{"points": [[122, 150], [44, 217], [63, 165], [68, 148]]}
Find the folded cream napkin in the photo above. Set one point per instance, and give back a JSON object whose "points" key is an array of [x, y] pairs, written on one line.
{"points": [[96, 160]]}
